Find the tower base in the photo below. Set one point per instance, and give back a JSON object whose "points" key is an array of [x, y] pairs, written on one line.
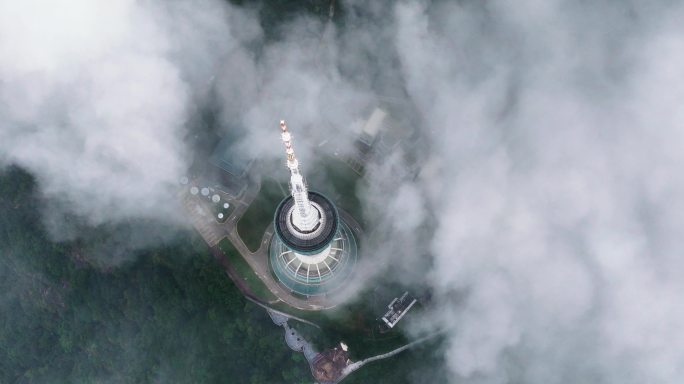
{"points": [[315, 275]]}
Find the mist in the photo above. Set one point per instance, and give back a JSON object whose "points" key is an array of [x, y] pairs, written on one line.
{"points": [[541, 201], [96, 97], [559, 198]]}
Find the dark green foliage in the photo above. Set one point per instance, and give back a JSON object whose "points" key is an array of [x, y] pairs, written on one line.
{"points": [[259, 215], [172, 315], [274, 13], [338, 181], [245, 273], [420, 365]]}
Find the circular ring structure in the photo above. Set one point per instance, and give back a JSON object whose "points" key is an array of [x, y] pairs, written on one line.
{"points": [[307, 242], [318, 229], [318, 276]]}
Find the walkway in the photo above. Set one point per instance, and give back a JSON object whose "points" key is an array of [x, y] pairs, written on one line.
{"points": [[213, 232], [293, 339], [354, 366], [203, 222]]}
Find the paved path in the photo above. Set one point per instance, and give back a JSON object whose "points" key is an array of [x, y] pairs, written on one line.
{"points": [[354, 366], [213, 232], [293, 339], [202, 220]]}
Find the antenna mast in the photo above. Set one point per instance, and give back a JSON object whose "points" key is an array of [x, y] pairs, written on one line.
{"points": [[305, 217]]}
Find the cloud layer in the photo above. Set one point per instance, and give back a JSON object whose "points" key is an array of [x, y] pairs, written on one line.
{"points": [[549, 204], [558, 131], [95, 97]]}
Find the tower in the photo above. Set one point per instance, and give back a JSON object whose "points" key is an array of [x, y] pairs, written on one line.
{"points": [[313, 251]]}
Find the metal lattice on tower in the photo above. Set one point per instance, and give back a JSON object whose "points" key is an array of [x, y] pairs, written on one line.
{"points": [[313, 251], [306, 217]]}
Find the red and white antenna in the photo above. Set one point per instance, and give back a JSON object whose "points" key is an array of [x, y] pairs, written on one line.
{"points": [[305, 217]]}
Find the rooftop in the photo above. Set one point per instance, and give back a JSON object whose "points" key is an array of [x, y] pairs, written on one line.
{"points": [[398, 308], [227, 158]]}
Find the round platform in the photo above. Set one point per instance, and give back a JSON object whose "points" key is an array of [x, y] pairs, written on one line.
{"points": [[307, 244], [317, 277]]}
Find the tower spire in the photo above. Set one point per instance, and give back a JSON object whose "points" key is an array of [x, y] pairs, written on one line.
{"points": [[312, 251], [305, 217]]}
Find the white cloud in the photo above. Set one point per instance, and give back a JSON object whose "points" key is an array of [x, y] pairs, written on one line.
{"points": [[560, 150], [95, 97]]}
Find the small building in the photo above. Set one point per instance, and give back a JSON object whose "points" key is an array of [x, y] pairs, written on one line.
{"points": [[370, 129], [398, 308], [230, 168], [383, 132]]}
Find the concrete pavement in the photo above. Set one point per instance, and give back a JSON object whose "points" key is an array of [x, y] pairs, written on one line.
{"points": [[213, 232]]}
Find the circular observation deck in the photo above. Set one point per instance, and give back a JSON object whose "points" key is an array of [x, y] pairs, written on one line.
{"points": [[307, 242], [315, 277]]}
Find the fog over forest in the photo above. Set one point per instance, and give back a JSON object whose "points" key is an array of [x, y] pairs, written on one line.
{"points": [[546, 214]]}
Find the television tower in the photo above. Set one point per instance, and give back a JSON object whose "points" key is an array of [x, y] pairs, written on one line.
{"points": [[313, 252]]}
